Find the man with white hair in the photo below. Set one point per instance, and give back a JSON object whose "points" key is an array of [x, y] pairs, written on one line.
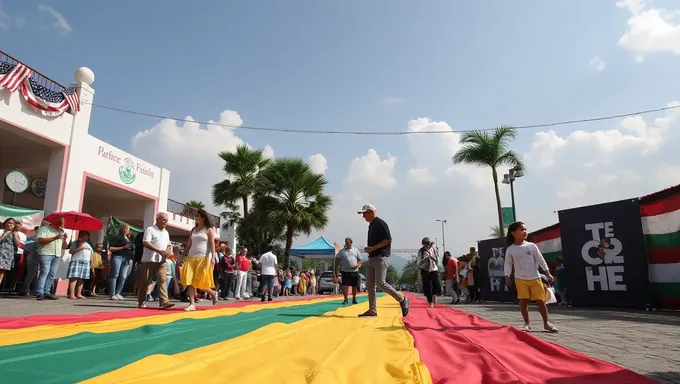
{"points": [[379, 248], [157, 249]]}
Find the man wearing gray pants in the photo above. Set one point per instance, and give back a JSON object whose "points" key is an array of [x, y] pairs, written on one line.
{"points": [[379, 249]]}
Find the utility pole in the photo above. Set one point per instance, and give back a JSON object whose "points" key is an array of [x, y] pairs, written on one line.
{"points": [[443, 239]]}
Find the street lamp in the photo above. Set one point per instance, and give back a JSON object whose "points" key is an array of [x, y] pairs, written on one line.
{"points": [[509, 178], [443, 239]]}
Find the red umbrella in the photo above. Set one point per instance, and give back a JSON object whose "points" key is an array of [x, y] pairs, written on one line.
{"points": [[76, 220]]}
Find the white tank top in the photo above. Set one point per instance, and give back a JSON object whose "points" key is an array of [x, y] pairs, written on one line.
{"points": [[199, 243]]}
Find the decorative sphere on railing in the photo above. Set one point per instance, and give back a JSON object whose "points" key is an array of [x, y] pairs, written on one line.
{"points": [[84, 75]]}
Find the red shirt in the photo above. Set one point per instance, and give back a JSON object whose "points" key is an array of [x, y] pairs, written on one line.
{"points": [[452, 269], [243, 263]]}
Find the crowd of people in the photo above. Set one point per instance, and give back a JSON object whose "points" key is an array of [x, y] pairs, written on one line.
{"points": [[204, 268]]}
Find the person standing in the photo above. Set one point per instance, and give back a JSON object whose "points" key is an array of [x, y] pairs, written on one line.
{"points": [[199, 261], [97, 269], [52, 242], [379, 249], [525, 257], [8, 243], [228, 273], [349, 264], [242, 271], [268, 265], [122, 250], [451, 277], [19, 256], [157, 249], [429, 272], [79, 266]]}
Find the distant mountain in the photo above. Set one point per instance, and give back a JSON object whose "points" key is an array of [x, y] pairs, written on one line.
{"points": [[399, 260]]}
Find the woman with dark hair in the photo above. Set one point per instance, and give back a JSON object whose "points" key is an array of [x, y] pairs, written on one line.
{"points": [[79, 267], [122, 250], [199, 260], [8, 241]]}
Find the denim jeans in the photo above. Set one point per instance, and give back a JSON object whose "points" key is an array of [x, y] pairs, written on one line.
{"points": [[268, 281], [227, 285], [48, 268], [31, 273], [120, 267]]}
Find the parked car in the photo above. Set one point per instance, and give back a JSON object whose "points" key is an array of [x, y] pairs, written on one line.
{"points": [[325, 283]]}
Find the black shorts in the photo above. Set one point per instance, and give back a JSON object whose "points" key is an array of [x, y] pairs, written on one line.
{"points": [[350, 279]]}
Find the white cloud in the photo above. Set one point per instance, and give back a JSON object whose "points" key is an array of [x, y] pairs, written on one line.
{"points": [[421, 176], [572, 189], [59, 21], [650, 30], [189, 151], [597, 64], [318, 163], [267, 151]]}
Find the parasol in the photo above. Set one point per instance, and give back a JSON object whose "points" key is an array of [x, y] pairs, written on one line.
{"points": [[76, 221]]}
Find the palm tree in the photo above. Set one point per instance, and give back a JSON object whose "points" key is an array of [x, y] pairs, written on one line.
{"points": [[496, 232], [241, 168], [490, 149], [231, 216], [195, 204], [299, 202]]}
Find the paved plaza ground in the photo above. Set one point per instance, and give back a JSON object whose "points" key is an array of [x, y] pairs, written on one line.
{"points": [[645, 342]]}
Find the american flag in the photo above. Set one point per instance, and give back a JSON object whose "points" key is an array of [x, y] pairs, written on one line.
{"points": [[13, 75], [50, 102], [72, 99]]}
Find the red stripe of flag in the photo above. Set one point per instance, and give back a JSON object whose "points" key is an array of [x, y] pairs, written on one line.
{"points": [[13, 80], [669, 204], [73, 101]]}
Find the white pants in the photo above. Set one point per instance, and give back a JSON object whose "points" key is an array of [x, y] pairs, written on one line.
{"points": [[241, 282]]}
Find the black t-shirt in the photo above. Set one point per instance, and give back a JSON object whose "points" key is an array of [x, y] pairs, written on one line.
{"points": [[139, 247], [378, 230], [121, 241]]}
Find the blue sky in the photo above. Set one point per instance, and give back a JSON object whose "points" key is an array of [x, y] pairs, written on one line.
{"points": [[375, 66]]}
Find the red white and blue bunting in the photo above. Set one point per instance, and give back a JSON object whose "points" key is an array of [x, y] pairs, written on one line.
{"points": [[15, 77]]}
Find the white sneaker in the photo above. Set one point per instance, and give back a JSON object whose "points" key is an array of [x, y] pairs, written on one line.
{"points": [[120, 297], [113, 297]]}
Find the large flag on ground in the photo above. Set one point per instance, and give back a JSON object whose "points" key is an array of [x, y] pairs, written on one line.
{"points": [[302, 340], [661, 225]]}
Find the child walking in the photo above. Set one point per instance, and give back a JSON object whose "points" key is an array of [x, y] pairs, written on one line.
{"points": [[526, 258]]}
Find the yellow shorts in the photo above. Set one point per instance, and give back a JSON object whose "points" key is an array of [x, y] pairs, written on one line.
{"points": [[530, 289]]}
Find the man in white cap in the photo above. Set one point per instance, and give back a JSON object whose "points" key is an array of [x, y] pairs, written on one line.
{"points": [[379, 248]]}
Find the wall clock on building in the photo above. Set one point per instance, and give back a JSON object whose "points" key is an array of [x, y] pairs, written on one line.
{"points": [[17, 182], [39, 186]]}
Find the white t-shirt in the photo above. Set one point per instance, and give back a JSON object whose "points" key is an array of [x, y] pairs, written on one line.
{"points": [[159, 238], [22, 243], [268, 263], [526, 259]]}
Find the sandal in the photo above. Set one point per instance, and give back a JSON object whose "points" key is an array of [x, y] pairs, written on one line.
{"points": [[550, 328], [526, 328]]}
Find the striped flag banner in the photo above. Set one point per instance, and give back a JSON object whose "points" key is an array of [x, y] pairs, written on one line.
{"points": [[661, 226], [13, 75], [549, 242]]}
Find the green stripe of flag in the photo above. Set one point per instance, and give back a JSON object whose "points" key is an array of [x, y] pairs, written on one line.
{"points": [[666, 240], [552, 256], [85, 355], [666, 290]]}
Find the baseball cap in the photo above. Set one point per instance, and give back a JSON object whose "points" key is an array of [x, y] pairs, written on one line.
{"points": [[367, 207]]}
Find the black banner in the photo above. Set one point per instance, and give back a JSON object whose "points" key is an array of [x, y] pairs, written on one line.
{"points": [[604, 253], [492, 252]]}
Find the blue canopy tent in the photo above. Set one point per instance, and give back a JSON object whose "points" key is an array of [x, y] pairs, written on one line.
{"points": [[317, 249]]}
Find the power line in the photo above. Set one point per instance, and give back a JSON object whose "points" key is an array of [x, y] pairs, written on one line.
{"points": [[393, 133]]}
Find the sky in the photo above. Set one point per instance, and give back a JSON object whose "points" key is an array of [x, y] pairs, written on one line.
{"points": [[380, 66]]}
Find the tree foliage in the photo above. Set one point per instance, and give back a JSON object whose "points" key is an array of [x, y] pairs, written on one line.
{"points": [[496, 232], [490, 149], [195, 204], [411, 271], [392, 275], [287, 199]]}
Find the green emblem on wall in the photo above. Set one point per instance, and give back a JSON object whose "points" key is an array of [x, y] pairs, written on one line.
{"points": [[127, 171]]}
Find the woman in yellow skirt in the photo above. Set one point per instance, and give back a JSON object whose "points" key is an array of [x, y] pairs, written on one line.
{"points": [[199, 260]]}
